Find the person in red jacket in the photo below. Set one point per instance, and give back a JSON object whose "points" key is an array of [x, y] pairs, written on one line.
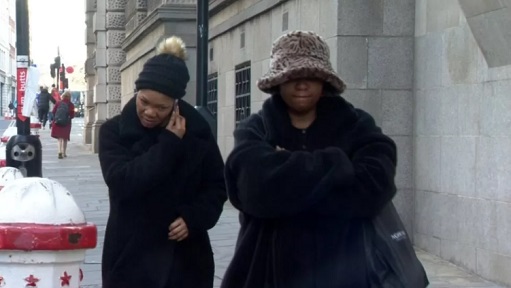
{"points": [[63, 112]]}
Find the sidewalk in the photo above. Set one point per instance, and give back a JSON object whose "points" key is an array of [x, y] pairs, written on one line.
{"points": [[81, 174]]}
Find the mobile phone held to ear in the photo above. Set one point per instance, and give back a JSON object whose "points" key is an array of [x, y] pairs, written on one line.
{"points": [[176, 103]]}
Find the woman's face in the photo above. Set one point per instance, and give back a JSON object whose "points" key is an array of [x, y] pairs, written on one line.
{"points": [[153, 108], [301, 95]]}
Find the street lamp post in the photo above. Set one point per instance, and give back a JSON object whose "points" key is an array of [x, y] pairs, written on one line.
{"points": [[202, 51], [202, 64], [23, 62], [23, 151]]}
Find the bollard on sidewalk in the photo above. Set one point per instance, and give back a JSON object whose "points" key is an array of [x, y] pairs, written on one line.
{"points": [[7, 175], [43, 235]]}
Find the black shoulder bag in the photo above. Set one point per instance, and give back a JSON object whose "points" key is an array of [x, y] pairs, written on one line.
{"points": [[391, 258]]}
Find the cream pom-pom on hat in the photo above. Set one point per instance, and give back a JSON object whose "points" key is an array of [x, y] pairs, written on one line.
{"points": [[166, 72]]}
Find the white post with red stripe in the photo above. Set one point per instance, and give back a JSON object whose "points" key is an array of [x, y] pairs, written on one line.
{"points": [[43, 235], [7, 175]]}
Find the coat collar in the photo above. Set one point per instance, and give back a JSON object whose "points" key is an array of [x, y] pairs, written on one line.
{"points": [[333, 114]]}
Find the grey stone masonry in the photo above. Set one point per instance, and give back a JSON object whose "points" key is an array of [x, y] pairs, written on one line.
{"points": [[462, 138], [375, 57], [136, 11], [115, 25], [139, 45], [90, 70]]}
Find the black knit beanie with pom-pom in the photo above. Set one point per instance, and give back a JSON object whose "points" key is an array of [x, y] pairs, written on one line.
{"points": [[166, 72]]}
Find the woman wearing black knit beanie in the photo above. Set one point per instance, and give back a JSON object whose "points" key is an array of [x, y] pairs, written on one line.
{"points": [[164, 172]]}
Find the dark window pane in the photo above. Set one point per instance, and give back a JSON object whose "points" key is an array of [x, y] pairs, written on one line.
{"points": [[212, 94], [242, 87]]}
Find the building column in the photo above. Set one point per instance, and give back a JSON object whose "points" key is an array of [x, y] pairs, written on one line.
{"points": [[115, 25], [109, 21], [90, 71]]}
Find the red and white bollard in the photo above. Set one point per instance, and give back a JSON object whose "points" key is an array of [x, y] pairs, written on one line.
{"points": [[43, 235], [7, 175]]}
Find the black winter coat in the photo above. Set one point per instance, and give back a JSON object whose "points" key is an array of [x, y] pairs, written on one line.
{"points": [[44, 100], [302, 209], [154, 177]]}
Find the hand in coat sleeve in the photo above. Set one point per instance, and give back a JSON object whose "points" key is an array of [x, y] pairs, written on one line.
{"points": [[202, 214], [372, 185], [132, 176], [267, 183]]}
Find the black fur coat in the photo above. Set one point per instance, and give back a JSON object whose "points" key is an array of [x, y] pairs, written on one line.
{"points": [[154, 177], [302, 208]]}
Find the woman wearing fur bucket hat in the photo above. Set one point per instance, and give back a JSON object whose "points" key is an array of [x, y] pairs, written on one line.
{"points": [[306, 173], [164, 173]]}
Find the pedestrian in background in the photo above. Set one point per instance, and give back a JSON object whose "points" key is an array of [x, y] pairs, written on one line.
{"points": [[165, 178], [63, 112], [43, 105], [306, 173], [11, 109], [55, 93]]}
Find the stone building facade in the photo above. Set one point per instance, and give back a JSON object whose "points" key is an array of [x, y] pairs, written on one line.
{"points": [[7, 54], [121, 35], [435, 74]]}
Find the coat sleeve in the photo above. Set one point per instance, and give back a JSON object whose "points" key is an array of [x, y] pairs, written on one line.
{"points": [[267, 183], [204, 212], [129, 176], [371, 186]]}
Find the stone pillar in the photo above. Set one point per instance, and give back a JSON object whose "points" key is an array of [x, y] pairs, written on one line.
{"points": [[99, 93], [90, 71], [115, 25], [109, 21]]}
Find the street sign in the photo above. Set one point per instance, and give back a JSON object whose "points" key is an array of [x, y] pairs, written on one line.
{"points": [[22, 61], [20, 90]]}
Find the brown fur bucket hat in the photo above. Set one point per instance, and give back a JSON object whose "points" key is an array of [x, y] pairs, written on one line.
{"points": [[300, 54]]}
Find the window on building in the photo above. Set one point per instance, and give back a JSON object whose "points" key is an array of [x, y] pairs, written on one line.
{"points": [[212, 100], [285, 21], [211, 54], [242, 38], [242, 91]]}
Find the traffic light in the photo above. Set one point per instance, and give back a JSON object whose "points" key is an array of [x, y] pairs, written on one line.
{"points": [[62, 72], [66, 83], [55, 66], [52, 70]]}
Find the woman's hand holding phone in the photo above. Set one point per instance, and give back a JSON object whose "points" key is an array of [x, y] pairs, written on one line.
{"points": [[177, 123]]}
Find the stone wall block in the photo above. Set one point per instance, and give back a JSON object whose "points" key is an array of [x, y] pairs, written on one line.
{"points": [[114, 38], [113, 74], [140, 17], [114, 93], [90, 6], [115, 56], [115, 20], [116, 5], [141, 4], [114, 109]]}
